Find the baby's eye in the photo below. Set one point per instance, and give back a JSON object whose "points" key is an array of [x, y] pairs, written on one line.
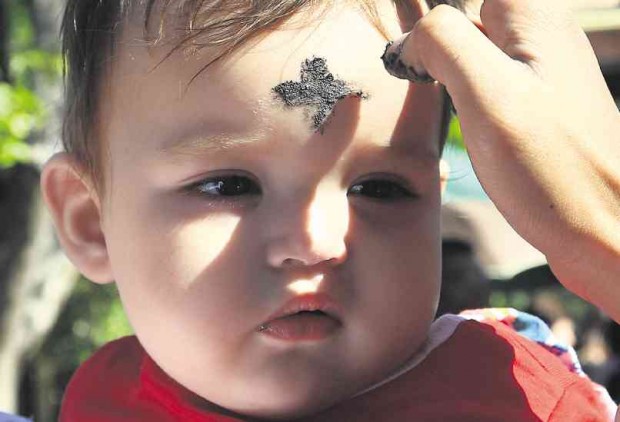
{"points": [[387, 190], [227, 186]]}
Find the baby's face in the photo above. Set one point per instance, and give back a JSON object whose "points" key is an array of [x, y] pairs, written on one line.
{"points": [[222, 205]]}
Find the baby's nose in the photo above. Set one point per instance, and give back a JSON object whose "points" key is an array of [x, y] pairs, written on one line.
{"points": [[310, 234]]}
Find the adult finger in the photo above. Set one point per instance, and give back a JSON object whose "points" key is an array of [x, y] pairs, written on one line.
{"points": [[527, 29], [446, 45]]}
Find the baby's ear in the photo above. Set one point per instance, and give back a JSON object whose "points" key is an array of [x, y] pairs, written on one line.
{"points": [[444, 173], [75, 208]]}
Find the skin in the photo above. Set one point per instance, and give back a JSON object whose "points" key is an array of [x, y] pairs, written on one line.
{"points": [[541, 128], [198, 273]]}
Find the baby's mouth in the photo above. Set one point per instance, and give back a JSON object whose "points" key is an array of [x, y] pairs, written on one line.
{"points": [[309, 317], [304, 325]]}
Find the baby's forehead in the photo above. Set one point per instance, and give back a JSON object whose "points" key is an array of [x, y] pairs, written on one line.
{"points": [[289, 80], [208, 28], [331, 59]]}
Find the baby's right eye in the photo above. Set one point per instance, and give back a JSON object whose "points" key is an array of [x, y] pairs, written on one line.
{"points": [[227, 186]]}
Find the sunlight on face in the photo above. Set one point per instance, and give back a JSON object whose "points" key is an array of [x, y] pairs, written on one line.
{"points": [[302, 286], [189, 244], [328, 223]]}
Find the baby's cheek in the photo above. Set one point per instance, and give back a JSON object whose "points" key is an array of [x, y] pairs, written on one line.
{"points": [[199, 247], [179, 294]]}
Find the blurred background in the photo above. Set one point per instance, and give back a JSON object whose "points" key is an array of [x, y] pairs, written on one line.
{"points": [[51, 320]]}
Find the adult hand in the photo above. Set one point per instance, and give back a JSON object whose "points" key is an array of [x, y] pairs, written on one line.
{"points": [[540, 126]]}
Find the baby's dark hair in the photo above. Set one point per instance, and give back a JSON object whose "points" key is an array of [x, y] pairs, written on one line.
{"points": [[89, 34]]}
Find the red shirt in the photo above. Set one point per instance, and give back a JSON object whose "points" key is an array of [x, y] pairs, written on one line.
{"points": [[482, 372]]}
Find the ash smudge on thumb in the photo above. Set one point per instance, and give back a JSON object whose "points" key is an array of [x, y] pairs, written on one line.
{"points": [[317, 92]]}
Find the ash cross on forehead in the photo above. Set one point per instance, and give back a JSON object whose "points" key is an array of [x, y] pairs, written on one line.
{"points": [[317, 92]]}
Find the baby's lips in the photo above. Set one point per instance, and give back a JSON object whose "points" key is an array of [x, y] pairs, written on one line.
{"points": [[398, 63], [309, 302]]}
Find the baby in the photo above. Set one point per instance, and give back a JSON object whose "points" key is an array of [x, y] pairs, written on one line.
{"points": [[266, 198]]}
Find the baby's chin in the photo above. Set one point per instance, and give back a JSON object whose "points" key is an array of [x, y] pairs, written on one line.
{"points": [[292, 405], [290, 410]]}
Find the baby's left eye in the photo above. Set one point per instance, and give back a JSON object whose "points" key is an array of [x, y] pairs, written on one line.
{"points": [[228, 186], [386, 190]]}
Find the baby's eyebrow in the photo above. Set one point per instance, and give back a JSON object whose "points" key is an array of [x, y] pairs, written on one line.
{"points": [[205, 143]]}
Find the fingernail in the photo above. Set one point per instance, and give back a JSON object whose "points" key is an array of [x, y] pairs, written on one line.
{"points": [[396, 65]]}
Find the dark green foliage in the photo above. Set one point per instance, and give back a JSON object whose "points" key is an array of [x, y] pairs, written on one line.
{"points": [[21, 110]]}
